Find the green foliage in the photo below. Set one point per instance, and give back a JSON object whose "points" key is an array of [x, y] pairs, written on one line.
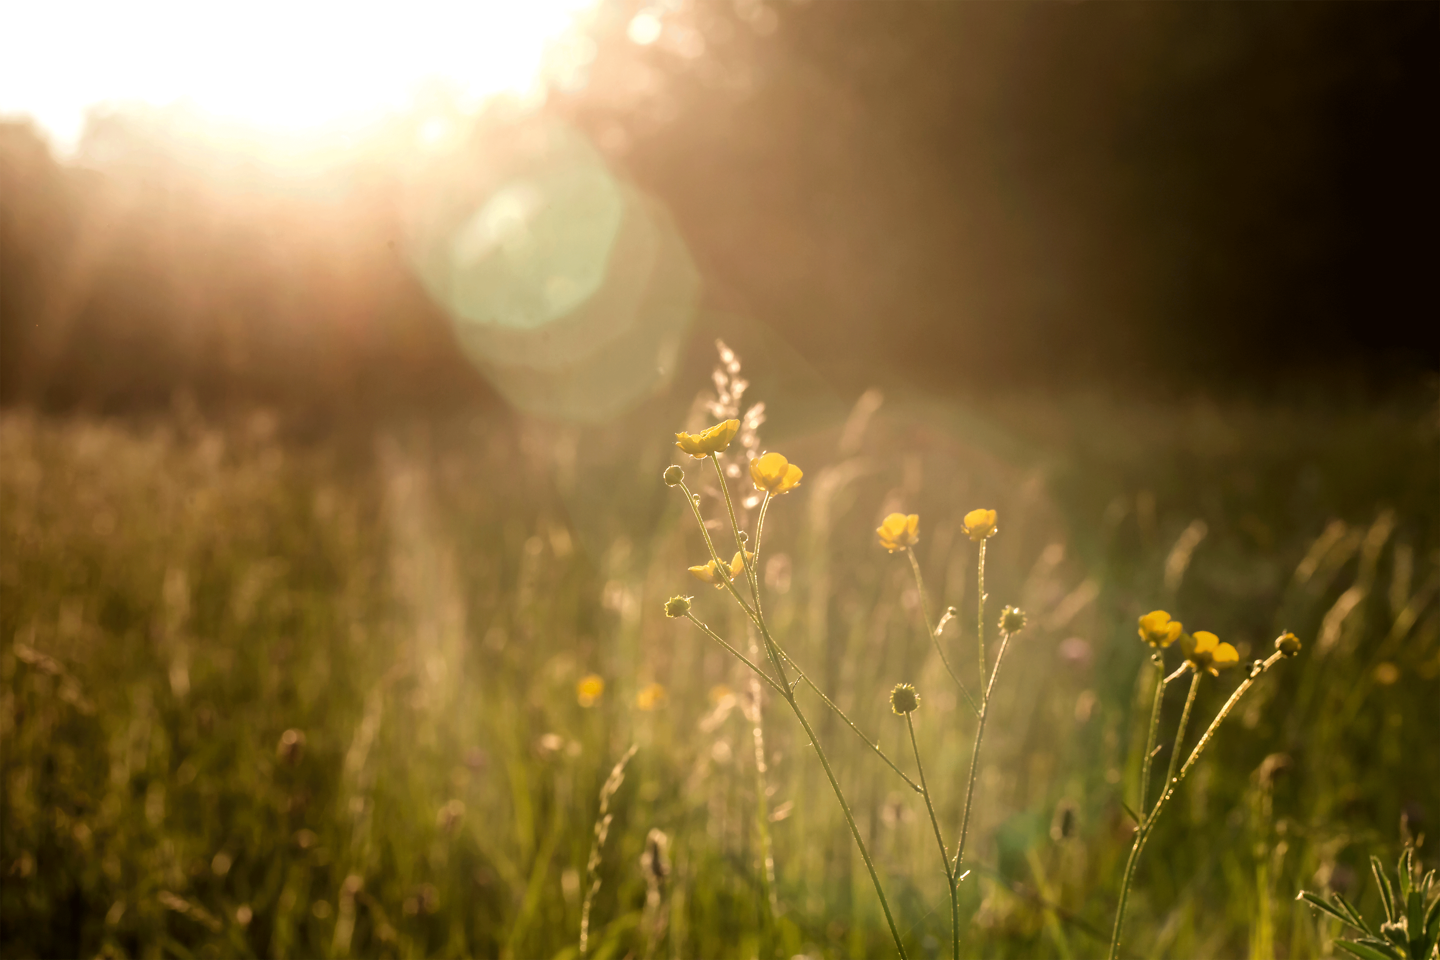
{"points": [[1411, 930], [418, 609]]}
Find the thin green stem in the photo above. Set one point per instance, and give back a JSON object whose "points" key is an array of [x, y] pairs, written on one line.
{"points": [[1143, 832], [721, 567], [975, 758], [934, 633], [745, 561], [939, 841], [1159, 662], [742, 658], [1180, 731], [980, 610]]}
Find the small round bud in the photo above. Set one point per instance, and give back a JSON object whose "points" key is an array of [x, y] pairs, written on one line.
{"points": [[904, 699], [677, 606], [1012, 620], [1288, 644], [744, 537], [673, 475]]}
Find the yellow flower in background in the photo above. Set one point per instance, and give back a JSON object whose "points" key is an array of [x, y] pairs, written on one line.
{"points": [[710, 574], [774, 474], [650, 696], [980, 524], [898, 531], [1205, 652], [1158, 630], [589, 689], [714, 440]]}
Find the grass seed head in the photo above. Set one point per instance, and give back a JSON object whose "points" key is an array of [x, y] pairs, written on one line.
{"points": [[903, 699]]}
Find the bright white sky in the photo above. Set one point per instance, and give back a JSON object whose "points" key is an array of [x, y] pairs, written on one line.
{"points": [[288, 67]]}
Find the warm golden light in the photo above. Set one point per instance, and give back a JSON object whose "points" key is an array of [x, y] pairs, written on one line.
{"points": [[280, 67]]}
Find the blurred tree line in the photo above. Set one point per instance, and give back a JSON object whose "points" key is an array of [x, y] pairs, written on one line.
{"points": [[959, 197]]}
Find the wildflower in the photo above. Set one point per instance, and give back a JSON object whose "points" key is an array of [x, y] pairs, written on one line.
{"points": [[1288, 644], [774, 474], [673, 475], [1158, 630], [898, 531], [980, 524], [1205, 652], [1012, 620], [677, 606], [650, 696], [714, 440], [709, 573], [588, 690], [904, 699]]}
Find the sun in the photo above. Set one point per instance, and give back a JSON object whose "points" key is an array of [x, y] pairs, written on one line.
{"points": [[297, 67]]}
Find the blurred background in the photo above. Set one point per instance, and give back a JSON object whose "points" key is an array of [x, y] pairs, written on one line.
{"points": [[340, 350]]}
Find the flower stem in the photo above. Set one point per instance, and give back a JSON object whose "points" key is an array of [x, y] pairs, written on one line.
{"points": [[980, 612], [940, 841], [975, 756], [1180, 731], [934, 634], [1159, 662], [1143, 832], [776, 658]]}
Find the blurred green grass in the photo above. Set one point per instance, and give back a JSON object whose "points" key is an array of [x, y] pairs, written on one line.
{"points": [[417, 608]]}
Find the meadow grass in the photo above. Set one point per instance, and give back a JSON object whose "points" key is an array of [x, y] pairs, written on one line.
{"points": [[271, 697]]}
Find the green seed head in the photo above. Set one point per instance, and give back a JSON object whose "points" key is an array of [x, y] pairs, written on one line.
{"points": [[904, 699], [677, 606], [1012, 620], [1288, 644]]}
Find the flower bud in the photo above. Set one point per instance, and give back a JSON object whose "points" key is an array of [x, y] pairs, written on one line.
{"points": [[904, 699], [673, 475], [1012, 620], [1288, 644], [677, 606]]}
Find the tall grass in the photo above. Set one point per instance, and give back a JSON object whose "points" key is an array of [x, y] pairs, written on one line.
{"points": [[274, 698]]}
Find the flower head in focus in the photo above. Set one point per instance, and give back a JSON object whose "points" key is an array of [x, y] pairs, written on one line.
{"points": [[980, 524], [1158, 630], [1204, 651], [713, 440], [677, 606], [899, 531], [904, 699], [650, 696], [589, 689], [673, 475], [773, 474]]}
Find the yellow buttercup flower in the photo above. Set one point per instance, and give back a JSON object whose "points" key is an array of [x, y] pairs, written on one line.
{"points": [[774, 474], [1158, 630], [714, 440], [710, 574], [588, 690], [980, 524], [1205, 652], [899, 531], [650, 696]]}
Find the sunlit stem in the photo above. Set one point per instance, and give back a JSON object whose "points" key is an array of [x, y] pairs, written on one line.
{"points": [[1142, 833], [975, 755], [940, 842], [934, 633], [762, 812], [1180, 731], [788, 694], [721, 567], [980, 611], [745, 561], [1159, 662]]}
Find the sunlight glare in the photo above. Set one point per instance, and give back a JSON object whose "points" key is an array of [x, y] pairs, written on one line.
{"points": [[279, 67]]}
